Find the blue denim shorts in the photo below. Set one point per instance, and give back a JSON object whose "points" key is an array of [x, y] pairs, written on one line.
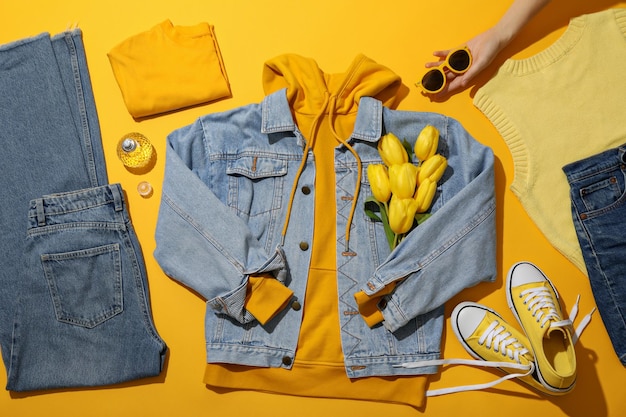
{"points": [[74, 303], [598, 193]]}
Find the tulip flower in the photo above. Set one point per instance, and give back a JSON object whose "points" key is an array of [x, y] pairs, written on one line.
{"points": [[401, 214], [424, 195], [379, 182], [403, 179], [391, 150], [426, 143], [404, 187], [433, 168]]}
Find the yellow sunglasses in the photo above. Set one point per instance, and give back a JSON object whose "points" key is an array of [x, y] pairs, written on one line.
{"points": [[458, 61]]}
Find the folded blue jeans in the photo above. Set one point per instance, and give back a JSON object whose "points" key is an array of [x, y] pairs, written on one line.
{"points": [[74, 300], [598, 193]]}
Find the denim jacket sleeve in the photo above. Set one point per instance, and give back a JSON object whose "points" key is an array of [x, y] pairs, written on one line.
{"points": [[453, 249], [200, 242]]}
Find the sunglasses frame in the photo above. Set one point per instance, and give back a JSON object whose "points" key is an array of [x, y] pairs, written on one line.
{"points": [[445, 64]]}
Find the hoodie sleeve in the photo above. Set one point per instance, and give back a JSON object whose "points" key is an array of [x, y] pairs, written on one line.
{"points": [[424, 271], [205, 246]]}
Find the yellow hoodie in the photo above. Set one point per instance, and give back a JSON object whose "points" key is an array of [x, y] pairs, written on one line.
{"points": [[324, 107]]}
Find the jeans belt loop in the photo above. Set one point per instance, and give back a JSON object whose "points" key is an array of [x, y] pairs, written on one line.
{"points": [[118, 201], [622, 153], [41, 215]]}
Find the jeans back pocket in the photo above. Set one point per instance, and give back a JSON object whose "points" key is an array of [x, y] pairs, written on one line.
{"points": [[85, 285]]}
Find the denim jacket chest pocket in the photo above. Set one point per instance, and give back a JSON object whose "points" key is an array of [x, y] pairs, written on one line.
{"points": [[256, 188]]}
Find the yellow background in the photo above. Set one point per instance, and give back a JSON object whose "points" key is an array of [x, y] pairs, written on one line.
{"points": [[399, 34]]}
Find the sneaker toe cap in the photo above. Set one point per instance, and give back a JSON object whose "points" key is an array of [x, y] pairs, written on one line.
{"points": [[525, 273], [467, 318]]}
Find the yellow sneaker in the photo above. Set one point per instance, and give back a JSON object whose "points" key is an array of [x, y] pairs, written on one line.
{"points": [[485, 335], [535, 303]]}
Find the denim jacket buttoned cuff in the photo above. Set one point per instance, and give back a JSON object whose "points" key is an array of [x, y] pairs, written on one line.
{"points": [[233, 304]]}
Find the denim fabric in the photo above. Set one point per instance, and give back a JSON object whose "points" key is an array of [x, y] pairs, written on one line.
{"points": [[598, 193], [224, 202], [73, 290]]}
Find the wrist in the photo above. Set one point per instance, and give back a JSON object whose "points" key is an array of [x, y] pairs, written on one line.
{"points": [[502, 34]]}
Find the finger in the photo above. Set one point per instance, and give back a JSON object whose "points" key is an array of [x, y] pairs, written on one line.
{"points": [[439, 54], [473, 71], [458, 83], [442, 53], [454, 83]]}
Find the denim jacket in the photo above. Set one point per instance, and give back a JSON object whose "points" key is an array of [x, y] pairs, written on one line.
{"points": [[224, 202]]}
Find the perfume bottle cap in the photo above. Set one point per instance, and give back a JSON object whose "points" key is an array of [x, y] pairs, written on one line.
{"points": [[129, 145]]}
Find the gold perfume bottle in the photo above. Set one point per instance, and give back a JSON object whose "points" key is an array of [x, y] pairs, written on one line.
{"points": [[134, 150]]}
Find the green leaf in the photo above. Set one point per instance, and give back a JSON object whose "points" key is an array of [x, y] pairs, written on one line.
{"points": [[391, 236], [372, 207], [422, 217], [409, 149]]}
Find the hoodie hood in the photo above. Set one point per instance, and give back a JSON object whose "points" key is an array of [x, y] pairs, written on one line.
{"points": [[308, 87]]}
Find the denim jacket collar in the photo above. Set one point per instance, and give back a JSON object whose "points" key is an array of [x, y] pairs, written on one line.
{"points": [[277, 117]]}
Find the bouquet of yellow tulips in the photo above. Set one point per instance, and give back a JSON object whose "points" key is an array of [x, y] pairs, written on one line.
{"points": [[403, 191]]}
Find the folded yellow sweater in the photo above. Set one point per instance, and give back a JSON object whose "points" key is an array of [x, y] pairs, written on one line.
{"points": [[168, 68]]}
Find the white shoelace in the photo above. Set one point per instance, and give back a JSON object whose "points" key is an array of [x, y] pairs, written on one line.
{"points": [[541, 305], [501, 341], [494, 337]]}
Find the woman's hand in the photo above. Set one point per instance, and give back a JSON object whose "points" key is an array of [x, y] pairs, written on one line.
{"points": [[486, 46], [483, 47]]}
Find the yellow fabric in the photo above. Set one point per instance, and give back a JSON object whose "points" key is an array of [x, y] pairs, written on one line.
{"points": [[325, 110], [559, 106], [168, 68], [368, 304], [266, 296], [311, 380]]}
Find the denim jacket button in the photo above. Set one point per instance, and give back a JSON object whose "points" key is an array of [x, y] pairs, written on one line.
{"points": [[306, 190], [296, 305], [286, 360], [304, 246]]}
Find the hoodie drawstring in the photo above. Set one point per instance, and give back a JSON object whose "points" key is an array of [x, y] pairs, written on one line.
{"points": [[309, 141], [330, 102], [357, 187]]}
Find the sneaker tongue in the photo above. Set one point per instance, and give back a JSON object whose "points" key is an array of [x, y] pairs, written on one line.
{"points": [[562, 334]]}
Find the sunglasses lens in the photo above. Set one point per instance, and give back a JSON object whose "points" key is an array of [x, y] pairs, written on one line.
{"points": [[433, 80], [459, 60]]}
